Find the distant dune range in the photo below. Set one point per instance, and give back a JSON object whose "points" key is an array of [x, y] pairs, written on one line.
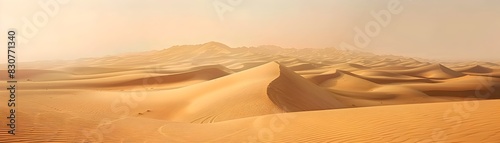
{"points": [[214, 93]]}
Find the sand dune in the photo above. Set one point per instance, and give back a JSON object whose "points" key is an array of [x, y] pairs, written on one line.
{"points": [[486, 70], [214, 93], [302, 66], [203, 74], [294, 93], [243, 92], [343, 80], [435, 71], [383, 77], [476, 69], [467, 86], [361, 92], [119, 80], [275, 89], [39, 75], [91, 70]]}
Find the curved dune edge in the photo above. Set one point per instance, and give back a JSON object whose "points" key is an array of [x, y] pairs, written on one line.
{"points": [[238, 95], [476, 69], [195, 76], [275, 89], [433, 71], [121, 80], [343, 80], [293, 93]]}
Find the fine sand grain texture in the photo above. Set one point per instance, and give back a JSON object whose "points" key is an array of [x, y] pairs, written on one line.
{"points": [[214, 93]]}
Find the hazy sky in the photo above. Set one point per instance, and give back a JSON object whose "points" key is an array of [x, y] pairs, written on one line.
{"points": [[444, 29]]}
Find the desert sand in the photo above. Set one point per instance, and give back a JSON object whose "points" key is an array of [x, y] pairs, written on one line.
{"points": [[214, 93]]}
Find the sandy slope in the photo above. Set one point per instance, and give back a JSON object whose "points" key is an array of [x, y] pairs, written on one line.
{"points": [[213, 93], [427, 123], [406, 123]]}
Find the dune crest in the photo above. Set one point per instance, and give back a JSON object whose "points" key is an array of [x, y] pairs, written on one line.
{"points": [[434, 71], [476, 69], [293, 93], [343, 80], [277, 88]]}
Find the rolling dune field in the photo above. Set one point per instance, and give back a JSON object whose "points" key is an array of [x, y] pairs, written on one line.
{"points": [[215, 93]]}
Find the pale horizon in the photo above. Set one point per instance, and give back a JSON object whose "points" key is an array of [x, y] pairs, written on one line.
{"points": [[442, 30]]}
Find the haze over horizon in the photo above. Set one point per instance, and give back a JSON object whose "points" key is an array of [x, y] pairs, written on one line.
{"points": [[447, 30]]}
